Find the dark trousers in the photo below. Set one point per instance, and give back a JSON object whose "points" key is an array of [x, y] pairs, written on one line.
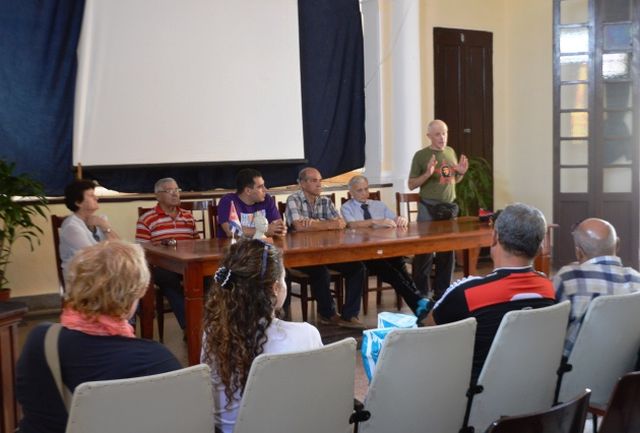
{"points": [[394, 272], [320, 280], [421, 271], [171, 285]]}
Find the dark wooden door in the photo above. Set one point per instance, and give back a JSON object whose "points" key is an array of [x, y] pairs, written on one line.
{"points": [[596, 121], [463, 81]]}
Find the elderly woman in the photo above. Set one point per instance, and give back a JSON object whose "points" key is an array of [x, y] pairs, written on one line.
{"points": [[240, 322], [83, 228], [95, 342]]}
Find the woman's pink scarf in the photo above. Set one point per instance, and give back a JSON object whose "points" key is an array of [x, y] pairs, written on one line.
{"points": [[98, 325]]}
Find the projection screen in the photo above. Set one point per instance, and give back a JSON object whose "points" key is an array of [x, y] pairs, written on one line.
{"points": [[188, 81]]}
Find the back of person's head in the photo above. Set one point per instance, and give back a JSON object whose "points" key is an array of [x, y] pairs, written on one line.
{"points": [[239, 309], [106, 279], [596, 237], [74, 192], [245, 178], [520, 229]]}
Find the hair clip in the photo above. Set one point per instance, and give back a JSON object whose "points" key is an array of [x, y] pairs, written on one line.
{"points": [[222, 276]]}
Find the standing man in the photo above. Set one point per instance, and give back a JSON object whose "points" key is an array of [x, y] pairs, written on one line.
{"points": [[360, 211], [599, 271], [307, 210], [435, 170], [168, 221], [250, 198], [518, 233]]}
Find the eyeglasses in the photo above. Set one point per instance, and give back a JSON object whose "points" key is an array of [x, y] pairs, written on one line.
{"points": [[171, 191]]}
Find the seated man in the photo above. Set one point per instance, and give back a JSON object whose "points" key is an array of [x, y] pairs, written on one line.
{"points": [[250, 198], [518, 233], [362, 212], [307, 210], [167, 221], [598, 272]]}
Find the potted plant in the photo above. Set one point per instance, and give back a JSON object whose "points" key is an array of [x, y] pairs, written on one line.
{"points": [[474, 192], [16, 216]]}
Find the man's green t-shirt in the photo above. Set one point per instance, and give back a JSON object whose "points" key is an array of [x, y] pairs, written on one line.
{"points": [[442, 183]]}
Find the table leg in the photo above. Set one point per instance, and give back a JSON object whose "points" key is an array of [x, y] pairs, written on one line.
{"points": [[193, 297]]}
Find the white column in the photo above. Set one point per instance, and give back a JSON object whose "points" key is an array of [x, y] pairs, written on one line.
{"points": [[406, 94], [373, 89]]}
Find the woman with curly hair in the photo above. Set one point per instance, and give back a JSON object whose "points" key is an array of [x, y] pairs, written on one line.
{"points": [[240, 322]]}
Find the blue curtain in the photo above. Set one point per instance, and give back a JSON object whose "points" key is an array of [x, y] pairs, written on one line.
{"points": [[38, 41]]}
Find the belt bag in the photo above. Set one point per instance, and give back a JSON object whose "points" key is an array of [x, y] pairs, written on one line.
{"points": [[441, 210]]}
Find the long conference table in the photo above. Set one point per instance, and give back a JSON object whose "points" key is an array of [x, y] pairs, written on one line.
{"points": [[195, 259]]}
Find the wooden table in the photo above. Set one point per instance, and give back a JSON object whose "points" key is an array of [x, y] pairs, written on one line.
{"points": [[11, 314], [195, 259]]}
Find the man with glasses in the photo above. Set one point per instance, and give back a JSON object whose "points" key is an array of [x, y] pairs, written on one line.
{"points": [[598, 271], [308, 210], [167, 221], [250, 198]]}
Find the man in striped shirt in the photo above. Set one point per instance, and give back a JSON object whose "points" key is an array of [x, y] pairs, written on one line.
{"points": [[167, 221], [599, 271]]}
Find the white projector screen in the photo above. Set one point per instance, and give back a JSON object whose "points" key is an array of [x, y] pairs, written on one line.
{"points": [[188, 81]]}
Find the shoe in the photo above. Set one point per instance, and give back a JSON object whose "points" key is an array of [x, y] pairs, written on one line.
{"points": [[353, 322], [333, 320], [422, 319]]}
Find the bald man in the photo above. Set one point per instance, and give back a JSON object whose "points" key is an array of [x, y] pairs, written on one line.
{"points": [[598, 271], [435, 170]]}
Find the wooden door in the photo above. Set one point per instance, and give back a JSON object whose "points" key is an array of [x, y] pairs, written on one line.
{"points": [[463, 82]]}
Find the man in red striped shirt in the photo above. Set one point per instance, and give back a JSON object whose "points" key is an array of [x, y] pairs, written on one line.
{"points": [[167, 221]]}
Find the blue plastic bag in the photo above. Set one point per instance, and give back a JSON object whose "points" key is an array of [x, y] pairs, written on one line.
{"points": [[373, 339]]}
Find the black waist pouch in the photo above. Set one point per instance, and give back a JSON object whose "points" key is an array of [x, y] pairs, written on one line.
{"points": [[442, 211]]}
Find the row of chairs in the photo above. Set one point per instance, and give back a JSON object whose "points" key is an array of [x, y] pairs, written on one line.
{"points": [[421, 384]]}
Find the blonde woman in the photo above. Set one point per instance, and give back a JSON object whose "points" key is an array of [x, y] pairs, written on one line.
{"points": [[96, 342]]}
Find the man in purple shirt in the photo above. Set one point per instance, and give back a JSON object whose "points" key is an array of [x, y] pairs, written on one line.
{"points": [[250, 198]]}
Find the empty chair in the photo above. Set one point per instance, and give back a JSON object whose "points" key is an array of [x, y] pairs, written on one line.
{"points": [[421, 380], [622, 415], [606, 347], [519, 374], [564, 418], [310, 391], [177, 401], [407, 205]]}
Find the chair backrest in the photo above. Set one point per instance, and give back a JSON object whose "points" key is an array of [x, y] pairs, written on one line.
{"points": [[177, 401], [212, 215], [407, 205], [421, 380], [309, 391], [56, 223], [568, 417], [606, 347], [623, 412], [199, 211], [519, 374], [373, 195]]}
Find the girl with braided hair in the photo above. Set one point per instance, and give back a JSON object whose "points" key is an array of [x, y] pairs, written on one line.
{"points": [[240, 322]]}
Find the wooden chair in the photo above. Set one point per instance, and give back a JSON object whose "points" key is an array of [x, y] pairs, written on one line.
{"points": [[622, 414], [379, 287], [56, 223], [542, 261], [564, 418], [307, 391], [212, 215], [407, 205], [148, 404], [303, 280]]}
